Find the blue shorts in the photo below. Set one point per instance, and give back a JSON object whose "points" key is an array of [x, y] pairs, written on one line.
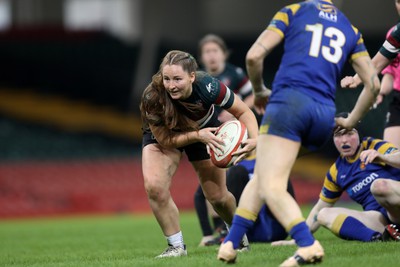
{"points": [[296, 116], [266, 228]]}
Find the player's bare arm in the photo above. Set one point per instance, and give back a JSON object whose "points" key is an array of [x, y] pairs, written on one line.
{"points": [[373, 156], [172, 139], [368, 75], [264, 44]]}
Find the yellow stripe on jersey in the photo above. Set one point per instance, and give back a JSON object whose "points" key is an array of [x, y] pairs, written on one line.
{"points": [[278, 31], [360, 41], [367, 144], [357, 55], [331, 187], [355, 29], [385, 147], [333, 172], [337, 223], [294, 8], [249, 215], [282, 17]]}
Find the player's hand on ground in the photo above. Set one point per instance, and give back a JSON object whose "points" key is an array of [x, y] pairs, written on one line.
{"points": [[247, 147], [283, 243], [348, 82], [207, 136], [369, 156]]}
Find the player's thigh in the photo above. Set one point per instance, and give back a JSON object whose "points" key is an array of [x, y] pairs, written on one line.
{"points": [[275, 158], [387, 193], [159, 165], [212, 178]]}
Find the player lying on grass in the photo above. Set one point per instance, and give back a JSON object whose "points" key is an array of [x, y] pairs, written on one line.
{"points": [[266, 228], [367, 171]]}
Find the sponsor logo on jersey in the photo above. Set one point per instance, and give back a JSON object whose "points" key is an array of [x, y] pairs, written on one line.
{"points": [[208, 86], [365, 182], [328, 16], [362, 165]]}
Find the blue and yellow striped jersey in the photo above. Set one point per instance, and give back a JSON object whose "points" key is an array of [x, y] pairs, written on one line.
{"points": [[319, 39], [355, 177]]}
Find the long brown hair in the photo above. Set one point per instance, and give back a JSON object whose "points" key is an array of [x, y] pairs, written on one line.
{"points": [[157, 108]]}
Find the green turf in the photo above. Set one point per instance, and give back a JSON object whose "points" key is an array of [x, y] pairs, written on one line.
{"points": [[135, 240]]}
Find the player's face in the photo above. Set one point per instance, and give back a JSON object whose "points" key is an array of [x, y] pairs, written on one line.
{"points": [[346, 142], [397, 2], [213, 57], [177, 82]]}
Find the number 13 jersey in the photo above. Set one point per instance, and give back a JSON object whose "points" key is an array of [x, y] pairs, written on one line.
{"points": [[318, 41]]}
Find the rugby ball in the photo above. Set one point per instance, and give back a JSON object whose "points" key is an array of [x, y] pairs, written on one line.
{"points": [[233, 133]]}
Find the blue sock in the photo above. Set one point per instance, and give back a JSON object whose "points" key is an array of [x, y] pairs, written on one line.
{"points": [[302, 235], [238, 229], [353, 229]]}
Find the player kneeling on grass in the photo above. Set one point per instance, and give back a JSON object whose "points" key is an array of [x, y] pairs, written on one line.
{"points": [[368, 172]]}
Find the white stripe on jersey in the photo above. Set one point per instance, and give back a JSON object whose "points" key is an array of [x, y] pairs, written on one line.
{"points": [[226, 98], [203, 121], [389, 47], [245, 89]]}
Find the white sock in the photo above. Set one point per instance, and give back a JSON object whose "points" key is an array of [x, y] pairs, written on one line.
{"points": [[176, 240]]}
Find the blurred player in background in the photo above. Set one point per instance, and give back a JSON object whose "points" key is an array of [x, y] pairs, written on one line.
{"points": [[318, 40], [177, 110], [213, 54]]}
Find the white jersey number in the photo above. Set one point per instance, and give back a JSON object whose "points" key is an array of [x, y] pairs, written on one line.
{"points": [[334, 51]]}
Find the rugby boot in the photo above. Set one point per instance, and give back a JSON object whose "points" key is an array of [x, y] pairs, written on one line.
{"points": [[227, 253], [172, 251], [305, 255]]}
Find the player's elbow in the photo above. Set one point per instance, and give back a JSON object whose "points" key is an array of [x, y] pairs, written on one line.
{"points": [[252, 58], [165, 142]]}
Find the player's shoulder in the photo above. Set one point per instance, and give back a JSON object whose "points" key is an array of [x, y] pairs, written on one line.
{"points": [[205, 83]]}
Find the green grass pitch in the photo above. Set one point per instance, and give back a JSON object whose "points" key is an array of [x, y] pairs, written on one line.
{"points": [[134, 240]]}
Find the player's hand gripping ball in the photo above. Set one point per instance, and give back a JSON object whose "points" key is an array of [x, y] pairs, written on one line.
{"points": [[233, 133]]}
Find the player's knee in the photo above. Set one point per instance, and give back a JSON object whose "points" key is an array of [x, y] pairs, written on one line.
{"points": [[156, 191], [380, 187], [322, 217], [217, 199]]}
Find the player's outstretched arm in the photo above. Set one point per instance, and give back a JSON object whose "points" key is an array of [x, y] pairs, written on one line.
{"points": [[379, 62], [367, 73]]}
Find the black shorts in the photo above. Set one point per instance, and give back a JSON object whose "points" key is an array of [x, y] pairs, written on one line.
{"points": [[393, 115], [196, 151]]}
